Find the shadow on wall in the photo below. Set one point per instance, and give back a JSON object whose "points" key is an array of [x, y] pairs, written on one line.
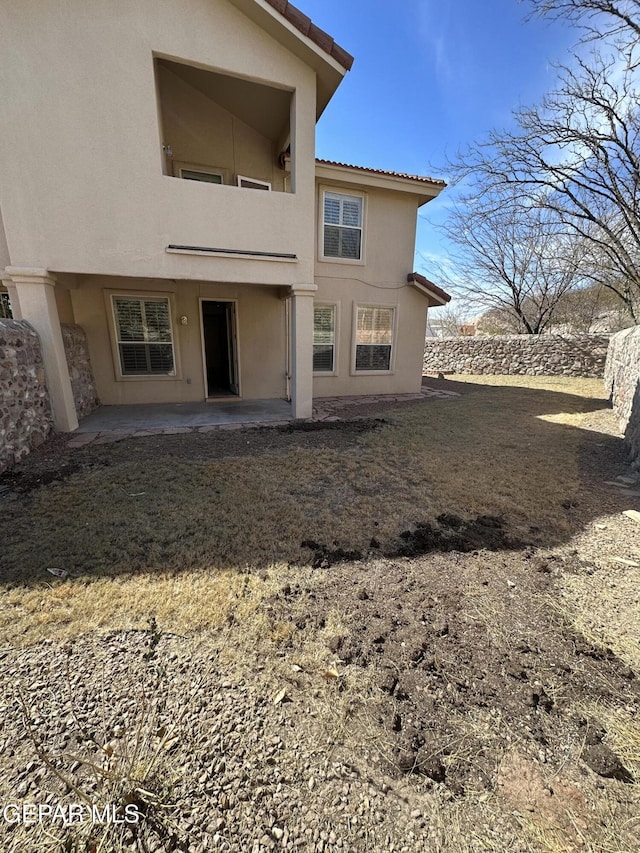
{"points": [[632, 431], [622, 380]]}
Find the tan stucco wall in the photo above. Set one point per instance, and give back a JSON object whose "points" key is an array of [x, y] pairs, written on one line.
{"points": [[411, 316], [261, 339], [389, 239], [64, 305], [82, 186], [202, 132]]}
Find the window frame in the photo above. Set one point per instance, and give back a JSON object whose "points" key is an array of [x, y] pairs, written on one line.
{"points": [[392, 354], [261, 185], [120, 376], [335, 307], [348, 192], [180, 167]]}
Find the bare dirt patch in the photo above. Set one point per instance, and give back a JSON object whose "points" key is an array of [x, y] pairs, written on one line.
{"points": [[431, 634]]}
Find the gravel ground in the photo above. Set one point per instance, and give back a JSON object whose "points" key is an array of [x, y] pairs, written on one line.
{"points": [[218, 765]]}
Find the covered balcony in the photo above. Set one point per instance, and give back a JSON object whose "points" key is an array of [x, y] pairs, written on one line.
{"points": [[219, 129]]}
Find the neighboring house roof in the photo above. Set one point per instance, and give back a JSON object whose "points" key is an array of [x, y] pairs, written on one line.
{"points": [[435, 293], [306, 26], [423, 179]]}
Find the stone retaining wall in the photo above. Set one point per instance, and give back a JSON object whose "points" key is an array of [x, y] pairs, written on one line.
{"points": [[622, 380], [82, 382], [25, 413], [532, 355], [25, 410]]}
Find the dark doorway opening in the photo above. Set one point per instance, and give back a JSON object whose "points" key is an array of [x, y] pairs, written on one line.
{"points": [[219, 335]]}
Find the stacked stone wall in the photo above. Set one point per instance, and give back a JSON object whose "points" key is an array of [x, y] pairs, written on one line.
{"points": [[25, 412], [531, 355], [80, 373], [622, 381]]}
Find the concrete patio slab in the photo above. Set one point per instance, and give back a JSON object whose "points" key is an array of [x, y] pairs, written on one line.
{"points": [[182, 416], [331, 408], [109, 424]]}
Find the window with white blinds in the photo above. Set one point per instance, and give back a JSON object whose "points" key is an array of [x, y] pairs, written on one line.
{"points": [[143, 331], [374, 338], [342, 226], [324, 338]]}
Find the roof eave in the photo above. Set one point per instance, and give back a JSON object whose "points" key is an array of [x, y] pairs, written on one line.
{"points": [[315, 47], [436, 295], [427, 190]]}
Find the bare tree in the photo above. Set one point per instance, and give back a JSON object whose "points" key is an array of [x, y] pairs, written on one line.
{"points": [[497, 321], [555, 203], [449, 322], [577, 155], [591, 308], [510, 256], [615, 20]]}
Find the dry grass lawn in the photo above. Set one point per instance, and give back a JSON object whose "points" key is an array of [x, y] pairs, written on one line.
{"points": [[174, 537]]}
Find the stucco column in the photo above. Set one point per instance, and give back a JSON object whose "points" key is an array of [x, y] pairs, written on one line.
{"points": [[7, 281], [37, 301], [302, 350]]}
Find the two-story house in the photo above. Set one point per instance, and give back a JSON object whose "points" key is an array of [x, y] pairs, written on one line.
{"points": [[159, 187]]}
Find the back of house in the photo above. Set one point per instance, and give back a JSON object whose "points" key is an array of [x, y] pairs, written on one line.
{"points": [[159, 188]]}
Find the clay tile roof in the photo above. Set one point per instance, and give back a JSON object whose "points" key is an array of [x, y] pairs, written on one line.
{"points": [[306, 26], [422, 178], [422, 280]]}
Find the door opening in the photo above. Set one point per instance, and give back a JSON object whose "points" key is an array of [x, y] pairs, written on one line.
{"points": [[220, 356]]}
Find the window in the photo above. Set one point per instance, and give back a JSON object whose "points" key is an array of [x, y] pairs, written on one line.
{"points": [[197, 175], [203, 173], [143, 332], [253, 183], [324, 338], [374, 338], [342, 226]]}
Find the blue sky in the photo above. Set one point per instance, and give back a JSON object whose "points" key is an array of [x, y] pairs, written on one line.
{"points": [[428, 77]]}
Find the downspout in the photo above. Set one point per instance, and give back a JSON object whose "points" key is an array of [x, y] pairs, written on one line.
{"points": [[287, 324]]}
